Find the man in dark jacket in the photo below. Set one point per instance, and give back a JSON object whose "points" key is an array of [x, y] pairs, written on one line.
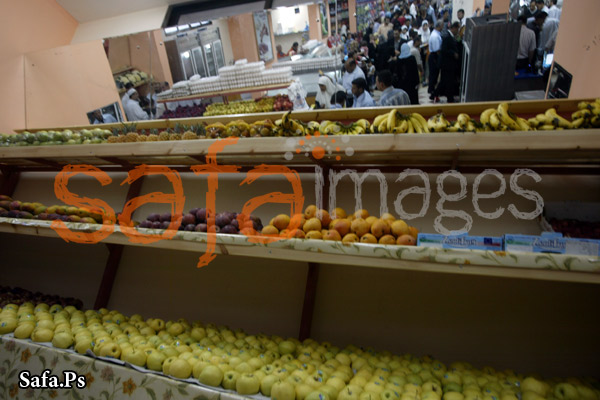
{"points": [[450, 64]]}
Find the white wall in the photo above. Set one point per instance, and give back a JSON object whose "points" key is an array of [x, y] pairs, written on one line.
{"points": [[221, 23], [286, 20]]}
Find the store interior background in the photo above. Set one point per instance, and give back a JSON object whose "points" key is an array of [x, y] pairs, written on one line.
{"points": [[56, 71], [68, 62]]}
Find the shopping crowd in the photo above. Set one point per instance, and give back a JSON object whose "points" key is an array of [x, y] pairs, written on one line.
{"points": [[417, 44]]}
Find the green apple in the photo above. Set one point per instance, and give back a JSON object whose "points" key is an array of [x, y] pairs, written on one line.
{"points": [[336, 382], [83, 345], [453, 396], [586, 393], [266, 384], [452, 387], [211, 375], [167, 364], [374, 387], [389, 395], [330, 391], [229, 379], [110, 349], [287, 347], [283, 391], [303, 390], [24, 330], [155, 359], [317, 395], [247, 384], [566, 391], [450, 377], [414, 379], [431, 396], [62, 340], [529, 395], [431, 386], [180, 369], [349, 393], [507, 396], [531, 384]]}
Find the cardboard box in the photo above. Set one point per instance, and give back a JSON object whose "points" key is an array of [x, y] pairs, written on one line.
{"points": [[460, 242]]}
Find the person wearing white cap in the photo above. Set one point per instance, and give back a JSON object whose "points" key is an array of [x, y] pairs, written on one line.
{"points": [[404, 37], [424, 31], [132, 107]]}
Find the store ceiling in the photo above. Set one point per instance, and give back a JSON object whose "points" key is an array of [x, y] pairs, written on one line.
{"points": [[92, 10]]}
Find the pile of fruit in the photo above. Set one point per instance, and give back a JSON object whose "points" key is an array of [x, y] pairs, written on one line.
{"points": [[10, 208], [492, 119], [134, 77], [576, 229], [196, 221], [18, 296], [282, 369], [266, 104], [358, 227], [49, 138], [185, 112]]}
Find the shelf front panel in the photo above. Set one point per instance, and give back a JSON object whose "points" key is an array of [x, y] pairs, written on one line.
{"points": [[555, 267], [490, 149]]}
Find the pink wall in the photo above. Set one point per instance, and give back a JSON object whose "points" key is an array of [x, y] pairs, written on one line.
{"points": [[65, 83], [243, 37], [576, 48], [47, 25], [314, 27]]}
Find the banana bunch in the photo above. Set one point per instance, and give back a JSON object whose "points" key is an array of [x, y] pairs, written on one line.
{"points": [[287, 126], [359, 127], [550, 121], [501, 119], [464, 123], [588, 115], [438, 123], [395, 122]]}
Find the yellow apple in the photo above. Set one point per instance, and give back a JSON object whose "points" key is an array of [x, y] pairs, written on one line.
{"points": [[283, 391], [266, 384]]}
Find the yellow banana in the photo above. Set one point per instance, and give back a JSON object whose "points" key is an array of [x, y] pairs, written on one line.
{"points": [[557, 120], [523, 125], [546, 127], [363, 123], [470, 126], [543, 119], [494, 121], [323, 126], [416, 124], [422, 121], [577, 123], [391, 121], [506, 118], [382, 127], [595, 121], [534, 122], [402, 127], [485, 116], [463, 119], [454, 128], [581, 114], [583, 105], [431, 123], [411, 128], [378, 119]]}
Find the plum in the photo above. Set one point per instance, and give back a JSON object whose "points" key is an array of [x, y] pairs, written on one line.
{"points": [[4, 214], [190, 227], [235, 224], [257, 226], [65, 218], [13, 214], [15, 205], [222, 219], [229, 229], [165, 224], [165, 217], [188, 219], [156, 225], [53, 216], [201, 215], [254, 218], [144, 224], [201, 228], [25, 214], [194, 211], [214, 228], [153, 217]]}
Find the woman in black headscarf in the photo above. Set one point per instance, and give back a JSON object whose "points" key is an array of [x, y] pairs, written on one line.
{"points": [[408, 73]]}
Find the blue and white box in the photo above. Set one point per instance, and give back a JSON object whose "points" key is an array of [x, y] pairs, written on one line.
{"points": [[460, 242]]}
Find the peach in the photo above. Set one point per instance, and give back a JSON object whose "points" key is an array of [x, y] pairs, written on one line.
{"points": [[399, 228], [324, 217], [388, 216], [314, 235], [339, 213], [350, 238], [342, 226], [332, 235], [370, 220], [310, 212], [281, 221], [361, 214], [298, 234], [387, 239], [323, 232], [269, 230], [297, 220], [412, 231], [360, 227], [312, 224], [406, 240], [380, 228], [368, 238], [283, 233]]}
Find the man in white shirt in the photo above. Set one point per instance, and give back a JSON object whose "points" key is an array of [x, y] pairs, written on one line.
{"points": [[132, 108], [413, 9], [385, 28], [125, 97], [554, 11], [100, 118], [352, 73], [435, 46], [526, 45], [460, 15], [541, 6]]}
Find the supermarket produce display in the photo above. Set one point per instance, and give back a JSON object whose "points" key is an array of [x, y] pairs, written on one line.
{"points": [[18, 296], [283, 369], [492, 119]]}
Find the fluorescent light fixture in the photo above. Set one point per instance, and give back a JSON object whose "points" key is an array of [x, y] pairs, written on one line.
{"points": [[186, 54], [170, 30], [194, 24], [183, 27]]}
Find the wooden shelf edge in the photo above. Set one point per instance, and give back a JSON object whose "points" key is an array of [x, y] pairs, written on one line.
{"points": [[227, 92], [283, 250]]}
